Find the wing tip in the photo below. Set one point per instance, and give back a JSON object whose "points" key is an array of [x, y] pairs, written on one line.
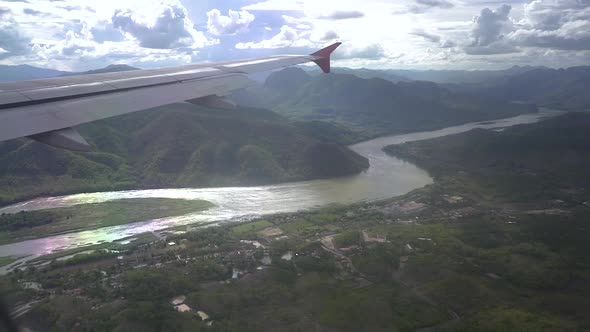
{"points": [[323, 56]]}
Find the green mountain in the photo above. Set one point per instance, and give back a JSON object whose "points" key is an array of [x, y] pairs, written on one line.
{"points": [[555, 88], [179, 145], [375, 106], [535, 162]]}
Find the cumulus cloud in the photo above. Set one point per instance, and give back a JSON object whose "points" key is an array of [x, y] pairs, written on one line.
{"points": [[489, 32], [329, 35], [235, 22], [32, 12], [551, 15], [573, 35], [105, 31], [285, 38], [555, 24], [172, 28], [12, 41], [342, 15], [490, 26]]}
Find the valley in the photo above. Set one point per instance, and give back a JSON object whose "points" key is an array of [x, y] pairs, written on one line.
{"points": [[456, 255]]}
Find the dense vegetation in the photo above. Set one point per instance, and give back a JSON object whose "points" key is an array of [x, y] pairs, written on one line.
{"points": [[372, 106], [480, 254], [180, 145], [547, 160]]}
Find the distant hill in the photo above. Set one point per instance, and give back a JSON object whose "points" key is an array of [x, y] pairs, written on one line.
{"points": [[26, 72], [559, 88], [436, 76], [179, 145], [388, 75], [375, 106], [107, 69], [461, 76]]}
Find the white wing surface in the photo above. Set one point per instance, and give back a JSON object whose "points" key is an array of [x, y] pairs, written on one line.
{"points": [[48, 109]]}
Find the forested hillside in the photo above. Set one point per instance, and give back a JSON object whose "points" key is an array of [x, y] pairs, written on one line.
{"points": [[179, 145]]}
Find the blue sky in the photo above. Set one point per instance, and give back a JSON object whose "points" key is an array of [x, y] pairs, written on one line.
{"points": [[378, 34]]}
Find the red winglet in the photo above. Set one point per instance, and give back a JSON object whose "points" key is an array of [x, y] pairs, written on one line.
{"points": [[324, 56]]}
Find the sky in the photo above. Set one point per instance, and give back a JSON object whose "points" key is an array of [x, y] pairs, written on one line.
{"points": [[378, 34]]}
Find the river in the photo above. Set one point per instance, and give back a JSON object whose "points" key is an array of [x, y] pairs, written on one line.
{"points": [[386, 177]]}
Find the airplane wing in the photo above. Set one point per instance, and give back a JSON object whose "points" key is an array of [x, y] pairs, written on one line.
{"points": [[47, 109]]}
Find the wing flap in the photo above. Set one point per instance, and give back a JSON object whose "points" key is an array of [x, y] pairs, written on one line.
{"points": [[66, 91]]}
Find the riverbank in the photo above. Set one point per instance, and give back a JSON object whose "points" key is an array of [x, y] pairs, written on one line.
{"points": [[445, 256], [27, 225], [429, 259], [387, 177]]}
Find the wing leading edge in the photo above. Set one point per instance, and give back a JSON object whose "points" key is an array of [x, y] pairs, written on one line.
{"points": [[47, 109]]}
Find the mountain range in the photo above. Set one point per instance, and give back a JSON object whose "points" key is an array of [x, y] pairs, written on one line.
{"points": [[436, 76], [557, 88], [313, 117], [26, 72], [373, 106], [563, 88]]}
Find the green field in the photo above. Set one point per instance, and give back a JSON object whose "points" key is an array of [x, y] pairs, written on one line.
{"points": [[34, 224], [251, 227], [6, 260]]}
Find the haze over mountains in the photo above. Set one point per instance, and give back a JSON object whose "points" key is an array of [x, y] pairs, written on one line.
{"points": [[183, 145], [375, 105], [558, 88]]}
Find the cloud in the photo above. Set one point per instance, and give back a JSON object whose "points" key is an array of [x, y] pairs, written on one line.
{"points": [[329, 35], [32, 12], [555, 24], [171, 29], [433, 38], [428, 36], [279, 5], [495, 48], [573, 35], [422, 6], [70, 8], [490, 26], [105, 31], [235, 22], [303, 23], [489, 32], [285, 38], [12, 41], [372, 51], [551, 15], [342, 15]]}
